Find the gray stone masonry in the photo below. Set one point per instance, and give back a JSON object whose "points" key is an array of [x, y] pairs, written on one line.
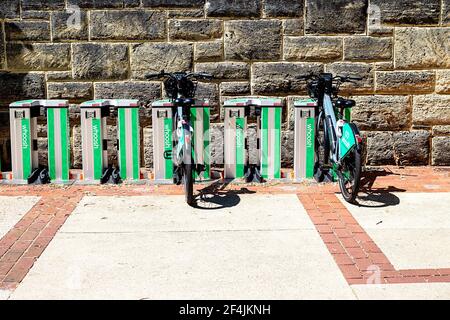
{"points": [[93, 49]]}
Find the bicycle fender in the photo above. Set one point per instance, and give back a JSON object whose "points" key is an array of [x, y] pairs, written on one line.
{"points": [[187, 144], [347, 141]]}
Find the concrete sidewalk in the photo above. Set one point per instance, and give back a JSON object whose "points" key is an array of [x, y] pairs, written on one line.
{"points": [[158, 248], [282, 241], [413, 233], [12, 209]]}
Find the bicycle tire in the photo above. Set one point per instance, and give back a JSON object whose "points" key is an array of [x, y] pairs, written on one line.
{"points": [[189, 184], [188, 176], [350, 194]]}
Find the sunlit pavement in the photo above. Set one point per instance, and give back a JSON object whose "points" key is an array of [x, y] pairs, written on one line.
{"points": [[276, 241]]}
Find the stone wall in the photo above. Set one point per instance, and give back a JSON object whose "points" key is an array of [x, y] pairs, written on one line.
{"points": [[85, 49]]}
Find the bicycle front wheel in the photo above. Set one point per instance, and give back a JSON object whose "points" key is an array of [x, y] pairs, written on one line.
{"points": [[350, 175], [188, 175], [188, 184]]}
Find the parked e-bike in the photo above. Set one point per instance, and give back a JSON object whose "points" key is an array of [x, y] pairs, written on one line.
{"points": [[180, 88], [338, 141]]}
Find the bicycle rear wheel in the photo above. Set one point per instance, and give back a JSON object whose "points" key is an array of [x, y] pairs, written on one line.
{"points": [[350, 175]]}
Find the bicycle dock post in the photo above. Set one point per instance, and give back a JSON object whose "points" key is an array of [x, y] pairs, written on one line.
{"points": [[270, 138], [162, 121], [235, 144], [200, 122], [304, 151], [94, 139], [24, 152], [128, 145], [24, 146], [58, 140], [268, 116], [163, 126]]}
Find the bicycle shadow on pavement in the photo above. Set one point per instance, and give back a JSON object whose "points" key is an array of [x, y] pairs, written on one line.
{"points": [[372, 197], [215, 196]]}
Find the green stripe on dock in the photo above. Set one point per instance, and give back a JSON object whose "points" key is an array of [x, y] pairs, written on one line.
{"points": [[135, 142], [123, 143], [65, 150], [26, 148], [277, 142], [206, 138], [240, 146], [265, 142], [97, 145], [51, 143]]}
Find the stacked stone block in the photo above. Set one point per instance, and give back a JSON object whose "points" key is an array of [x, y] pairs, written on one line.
{"points": [[85, 49]]}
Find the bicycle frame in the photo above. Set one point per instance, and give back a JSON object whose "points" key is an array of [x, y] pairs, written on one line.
{"points": [[343, 142], [181, 122], [180, 88], [328, 109]]}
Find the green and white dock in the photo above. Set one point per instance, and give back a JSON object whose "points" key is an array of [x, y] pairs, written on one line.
{"points": [[58, 140], [94, 139], [304, 150], [163, 128], [268, 118], [128, 146], [23, 125], [24, 145]]}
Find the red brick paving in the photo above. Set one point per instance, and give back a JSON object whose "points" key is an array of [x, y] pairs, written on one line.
{"points": [[353, 250], [26, 241]]}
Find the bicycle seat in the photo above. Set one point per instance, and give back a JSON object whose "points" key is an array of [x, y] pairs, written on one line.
{"points": [[344, 103]]}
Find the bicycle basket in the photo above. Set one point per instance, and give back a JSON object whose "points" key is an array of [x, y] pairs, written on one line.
{"points": [[184, 87], [171, 88], [188, 88], [313, 90]]}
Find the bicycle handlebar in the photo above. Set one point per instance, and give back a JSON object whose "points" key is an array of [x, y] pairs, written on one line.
{"points": [[195, 75], [308, 77], [313, 76], [347, 78], [152, 76], [201, 75]]}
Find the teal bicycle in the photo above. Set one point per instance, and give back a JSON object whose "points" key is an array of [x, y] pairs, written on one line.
{"points": [[180, 88], [338, 141]]}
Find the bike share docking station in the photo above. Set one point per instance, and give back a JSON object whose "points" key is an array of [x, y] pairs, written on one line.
{"points": [[304, 137], [96, 168], [163, 129], [24, 143], [268, 114]]}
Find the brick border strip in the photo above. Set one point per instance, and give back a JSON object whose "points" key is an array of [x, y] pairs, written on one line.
{"points": [[358, 257], [25, 242]]}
